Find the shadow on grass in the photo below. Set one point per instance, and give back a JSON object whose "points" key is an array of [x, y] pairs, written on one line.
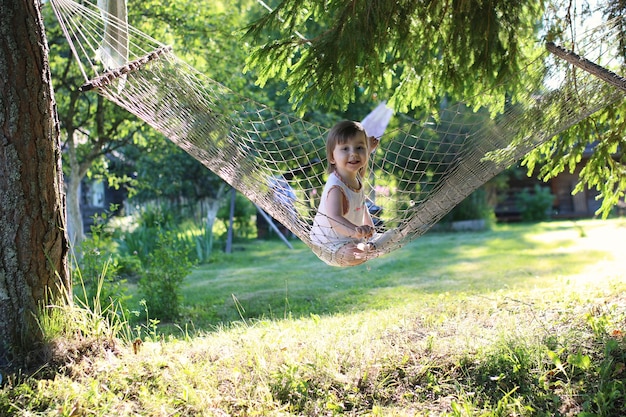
{"points": [[264, 279]]}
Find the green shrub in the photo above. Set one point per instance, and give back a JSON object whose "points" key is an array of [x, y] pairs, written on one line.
{"points": [[138, 243], [474, 207], [243, 224], [136, 246], [166, 267], [96, 271], [535, 206], [128, 265]]}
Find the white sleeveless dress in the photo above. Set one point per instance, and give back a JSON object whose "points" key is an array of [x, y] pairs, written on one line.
{"points": [[322, 234]]}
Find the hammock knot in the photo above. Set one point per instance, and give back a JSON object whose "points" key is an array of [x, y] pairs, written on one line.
{"points": [[109, 76]]}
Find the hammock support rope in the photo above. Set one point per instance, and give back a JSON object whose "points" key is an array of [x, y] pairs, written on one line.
{"points": [[422, 169], [113, 74], [587, 65]]}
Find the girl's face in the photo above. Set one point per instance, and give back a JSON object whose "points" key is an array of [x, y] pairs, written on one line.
{"points": [[350, 157]]}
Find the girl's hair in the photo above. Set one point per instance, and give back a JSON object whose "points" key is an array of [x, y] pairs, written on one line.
{"points": [[338, 135]]}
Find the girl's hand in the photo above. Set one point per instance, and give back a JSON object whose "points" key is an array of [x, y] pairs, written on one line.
{"points": [[363, 232], [372, 143]]}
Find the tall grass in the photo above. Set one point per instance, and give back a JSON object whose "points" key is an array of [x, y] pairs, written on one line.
{"points": [[524, 320]]}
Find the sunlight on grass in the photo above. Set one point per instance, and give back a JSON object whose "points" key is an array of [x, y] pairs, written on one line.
{"points": [[271, 281], [524, 320]]}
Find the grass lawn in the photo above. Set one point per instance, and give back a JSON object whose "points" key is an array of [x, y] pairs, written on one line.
{"points": [[268, 280], [523, 320]]}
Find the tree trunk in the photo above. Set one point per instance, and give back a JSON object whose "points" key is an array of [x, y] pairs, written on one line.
{"points": [[75, 226], [33, 245]]}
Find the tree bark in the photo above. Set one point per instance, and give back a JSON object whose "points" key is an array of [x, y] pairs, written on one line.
{"points": [[33, 244]]}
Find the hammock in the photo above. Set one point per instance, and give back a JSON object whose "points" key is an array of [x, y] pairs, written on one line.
{"points": [[422, 169]]}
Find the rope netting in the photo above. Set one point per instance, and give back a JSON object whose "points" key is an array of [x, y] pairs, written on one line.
{"points": [[420, 171]]}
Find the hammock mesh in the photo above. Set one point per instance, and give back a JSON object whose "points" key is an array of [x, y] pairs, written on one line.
{"points": [[421, 170]]}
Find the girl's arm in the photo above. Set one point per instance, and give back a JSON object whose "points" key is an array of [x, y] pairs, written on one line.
{"points": [[336, 206]]}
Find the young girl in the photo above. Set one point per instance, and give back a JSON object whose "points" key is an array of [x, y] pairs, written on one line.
{"points": [[343, 224]]}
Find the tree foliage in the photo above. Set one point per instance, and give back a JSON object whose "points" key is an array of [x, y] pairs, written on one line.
{"points": [[92, 129], [210, 39], [599, 139], [415, 53], [410, 52], [168, 173]]}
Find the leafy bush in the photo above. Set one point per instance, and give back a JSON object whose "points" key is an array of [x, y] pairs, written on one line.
{"points": [[128, 265], [97, 271], [138, 243], [474, 207], [135, 246], [166, 267], [243, 225], [199, 242], [535, 206]]}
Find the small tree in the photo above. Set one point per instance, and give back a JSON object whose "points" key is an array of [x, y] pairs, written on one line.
{"points": [[536, 205], [92, 128], [165, 270], [243, 225], [474, 207]]}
